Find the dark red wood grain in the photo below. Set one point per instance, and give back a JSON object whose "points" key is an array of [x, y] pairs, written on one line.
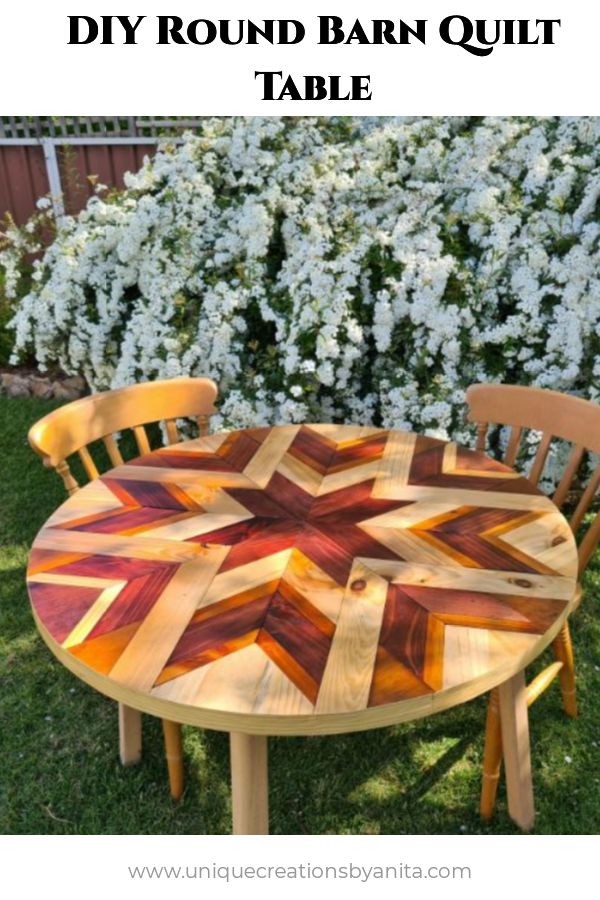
{"points": [[135, 600], [404, 630], [60, 607], [308, 645]]}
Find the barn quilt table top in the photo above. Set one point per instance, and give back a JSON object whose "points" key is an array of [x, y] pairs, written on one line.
{"points": [[302, 579]]}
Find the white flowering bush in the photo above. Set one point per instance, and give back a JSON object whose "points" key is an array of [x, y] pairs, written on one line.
{"points": [[333, 269]]}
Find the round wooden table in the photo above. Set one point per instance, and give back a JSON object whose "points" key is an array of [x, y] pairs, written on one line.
{"points": [[301, 580]]}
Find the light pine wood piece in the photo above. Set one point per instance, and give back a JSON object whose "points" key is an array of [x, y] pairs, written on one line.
{"points": [[130, 735], [577, 422], [149, 649], [346, 681], [249, 784]]}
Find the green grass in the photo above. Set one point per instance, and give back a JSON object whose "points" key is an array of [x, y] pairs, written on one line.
{"points": [[58, 737]]}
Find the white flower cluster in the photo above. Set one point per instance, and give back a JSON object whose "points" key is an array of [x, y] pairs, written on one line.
{"points": [[332, 269]]}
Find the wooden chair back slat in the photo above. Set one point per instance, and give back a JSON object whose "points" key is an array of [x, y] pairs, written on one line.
{"points": [[555, 415], [112, 448], [514, 443], [71, 428], [482, 429], [172, 432], [572, 467], [141, 439], [585, 501], [67, 476], [589, 543], [88, 463], [540, 458]]}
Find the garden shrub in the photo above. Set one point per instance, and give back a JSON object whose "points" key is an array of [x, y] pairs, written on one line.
{"points": [[6, 314], [336, 269]]}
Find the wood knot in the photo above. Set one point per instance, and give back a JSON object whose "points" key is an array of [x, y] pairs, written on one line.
{"points": [[521, 582], [559, 539], [358, 585]]}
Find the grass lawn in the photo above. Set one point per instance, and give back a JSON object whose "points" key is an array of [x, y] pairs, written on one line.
{"points": [[59, 747]]}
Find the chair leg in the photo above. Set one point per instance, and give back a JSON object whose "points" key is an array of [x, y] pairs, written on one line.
{"points": [[174, 754], [130, 735], [492, 757], [563, 650]]}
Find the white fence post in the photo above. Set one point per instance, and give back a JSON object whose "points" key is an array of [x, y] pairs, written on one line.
{"points": [[53, 174]]}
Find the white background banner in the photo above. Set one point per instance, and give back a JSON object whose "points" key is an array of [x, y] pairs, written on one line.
{"points": [[96, 867], [49, 76]]}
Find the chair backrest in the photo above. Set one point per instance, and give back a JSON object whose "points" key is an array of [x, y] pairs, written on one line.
{"points": [[555, 415], [70, 428]]}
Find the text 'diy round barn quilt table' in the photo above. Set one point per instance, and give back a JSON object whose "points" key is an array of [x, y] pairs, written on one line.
{"points": [[303, 580]]}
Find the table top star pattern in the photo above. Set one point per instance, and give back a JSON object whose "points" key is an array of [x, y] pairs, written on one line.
{"points": [[296, 579]]}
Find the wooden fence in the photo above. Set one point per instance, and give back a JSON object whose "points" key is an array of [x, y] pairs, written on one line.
{"points": [[20, 127], [60, 156]]}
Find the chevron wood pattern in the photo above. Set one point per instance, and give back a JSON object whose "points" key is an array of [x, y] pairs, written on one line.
{"points": [[304, 578]]}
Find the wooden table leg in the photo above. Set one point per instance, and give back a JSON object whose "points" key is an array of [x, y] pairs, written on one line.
{"points": [[249, 783], [130, 735], [515, 746]]}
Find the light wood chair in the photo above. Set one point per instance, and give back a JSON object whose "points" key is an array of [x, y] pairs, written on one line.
{"points": [[577, 422], [70, 429]]}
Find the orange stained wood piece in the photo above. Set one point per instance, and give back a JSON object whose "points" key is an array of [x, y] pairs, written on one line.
{"points": [[577, 422], [302, 579]]}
